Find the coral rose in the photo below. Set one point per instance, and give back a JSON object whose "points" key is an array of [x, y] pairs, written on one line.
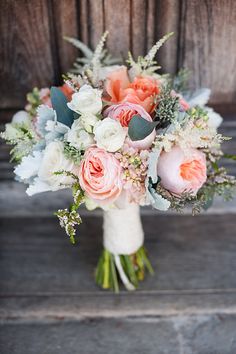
{"points": [[141, 91], [180, 172], [124, 112], [100, 176]]}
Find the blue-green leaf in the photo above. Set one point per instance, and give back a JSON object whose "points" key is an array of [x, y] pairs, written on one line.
{"points": [[140, 128], [155, 199], [59, 104], [152, 164]]}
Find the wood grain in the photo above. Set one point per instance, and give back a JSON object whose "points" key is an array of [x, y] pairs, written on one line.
{"points": [[65, 24], [25, 51], [208, 46], [167, 20], [188, 253], [97, 24], [138, 31], [33, 52], [117, 22], [83, 21]]}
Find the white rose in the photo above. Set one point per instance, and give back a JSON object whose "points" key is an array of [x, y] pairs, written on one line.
{"points": [[53, 161], [21, 117], [78, 137], [87, 100], [109, 134], [88, 121]]}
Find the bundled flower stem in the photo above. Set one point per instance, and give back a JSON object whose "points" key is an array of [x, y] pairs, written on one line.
{"points": [[130, 269]]}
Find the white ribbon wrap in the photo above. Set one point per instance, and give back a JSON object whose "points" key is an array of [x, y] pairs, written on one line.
{"points": [[122, 230]]}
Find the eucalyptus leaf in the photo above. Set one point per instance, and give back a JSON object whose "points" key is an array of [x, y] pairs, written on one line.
{"points": [[140, 128], [152, 164], [156, 200], [59, 104]]}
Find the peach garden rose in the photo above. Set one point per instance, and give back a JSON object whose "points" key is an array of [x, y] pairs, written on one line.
{"points": [[180, 172], [100, 176]]}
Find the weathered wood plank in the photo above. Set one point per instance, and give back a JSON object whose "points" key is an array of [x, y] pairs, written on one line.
{"points": [[33, 52], [198, 334], [138, 33], [150, 23], [117, 22], [207, 46], [25, 51], [188, 253], [83, 19], [91, 21], [65, 22], [167, 21], [96, 21]]}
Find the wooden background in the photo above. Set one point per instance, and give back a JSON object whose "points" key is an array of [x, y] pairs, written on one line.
{"points": [[33, 53]]}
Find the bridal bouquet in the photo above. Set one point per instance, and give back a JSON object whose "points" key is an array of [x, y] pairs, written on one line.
{"points": [[121, 137]]}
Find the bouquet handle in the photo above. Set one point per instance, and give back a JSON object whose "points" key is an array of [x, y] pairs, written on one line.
{"points": [[124, 257]]}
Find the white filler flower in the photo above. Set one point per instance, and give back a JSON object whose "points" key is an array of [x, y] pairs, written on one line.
{"points": [[109, 134], [87, 100]]}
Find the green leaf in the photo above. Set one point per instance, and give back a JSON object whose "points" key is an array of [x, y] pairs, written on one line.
{"points": [[59, 104], [140, 128]]}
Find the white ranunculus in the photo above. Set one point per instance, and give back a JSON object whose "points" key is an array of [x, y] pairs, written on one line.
{"points": [[21, 117], [109, 134], [87, 100], [78, 137], [88, 121], [53, 161]]}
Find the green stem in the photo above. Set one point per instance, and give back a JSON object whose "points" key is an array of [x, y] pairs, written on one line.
{"points": [[106, 269], [133, 266], [114, 275]]}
